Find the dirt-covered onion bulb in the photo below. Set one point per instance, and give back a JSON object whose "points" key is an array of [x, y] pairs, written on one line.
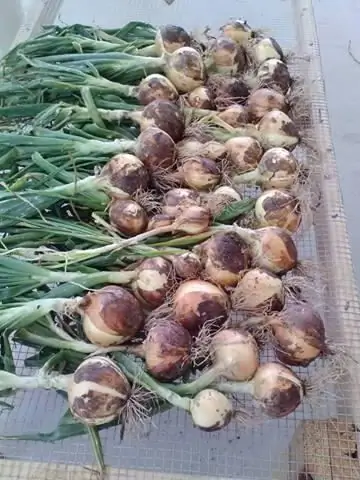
{"points": [[111, 315], [227, 56], [128, 217], [126, 173], [211, 410], [200, 173], [201, 97], [279, 209], [228, 90], [170, 38], [244, 153], [156, 149], [185, 69], [274, 73], [193, 220], [177, 200], [98, 391], [266, 48], [238, 30], [220, 198], [166, 116], [156, 87], [235, 115], [160, 220], [187, 265], [278, 130], [193, 147], [264, 100]]}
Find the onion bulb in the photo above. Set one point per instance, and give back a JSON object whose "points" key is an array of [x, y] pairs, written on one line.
{"points": [[111, 315], [258, 291], [299, 334], [227, 56], [220, 198], [187, 265], [160, 220], [274, 73], [201, 97], [228, 90], [177, 200], [156, 149], [266, 48], [279, 209], [170, 38], [264, 100], [277, 389], [156, 87], [278, 130], [230, 194], [192, 147], [211, 410], [239, 31], [278, 168], [197, 302], [126, 173], [244, 153], [200, 173], [185, 69], [128, 217], [154, 279], [98, 391], [225, 258], [164, 115], [193, 220], [235, 115]]}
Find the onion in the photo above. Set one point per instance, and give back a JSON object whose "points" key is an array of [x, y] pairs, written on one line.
{"points": [[274, 73], [228, 91], [126, 173], [299, 334], [258, 291], [160, 220], [162, 114], [111, 315], [277, 389], [98, 391], [278, 130], [230, 194], [185, 69], [235, 115], [190, 147], [178, 199], [201, 97], [187, 265], [227, 56], [156, 149], [170, 38], [279, 209], [197, 302], [278, 168], [220, 198], [225, 258], [211, 410], [193, 220], [265, 49], [239, 31], [154, 279], [128, 217], [264, 100], [200, 173], [244, 153], [156, 87]]}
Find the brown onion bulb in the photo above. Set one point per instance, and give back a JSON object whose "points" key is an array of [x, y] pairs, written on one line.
{"points": [[170, 38], [126, 173], [160, 220], [229, 194], [185, 69], [178, 199], [227, 56], [200, 173], [167, 349], [235, 115], [274, 73], [187, 265], [277, 389], [154, 280], [192, 147], [264, 100], [156, 87], [266, 48], [98, 391], [244, 153], [278, 130], [220, 198], [225, 258], [258, 291], [228, 91], [128, 217], [111, 315], [239, 31], [299, 334], [156, 149], [193, 220], [201, 97], [164, 115], [197, 302], [277, 208]]}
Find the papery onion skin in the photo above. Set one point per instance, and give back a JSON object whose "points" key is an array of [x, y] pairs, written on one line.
{"points": [[274, 73], [299, 334], [197, 302], [211, 410], [235, 115], [278, 390], [128, 217], [244, 153], [127, 173], [201, 97], [170, 38], [178, 199], [186, 69], [277, 252], [262, 101], [153, 281], [156, 87], [111, 315], [279, 209], [156, 149], [200, 173], [98, 391], [167, 350]]}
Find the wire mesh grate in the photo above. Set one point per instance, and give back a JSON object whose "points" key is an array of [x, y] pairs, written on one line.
{"points": [[319, 438]]}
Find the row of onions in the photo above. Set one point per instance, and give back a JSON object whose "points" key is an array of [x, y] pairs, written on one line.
{"points": [[151, 186]]}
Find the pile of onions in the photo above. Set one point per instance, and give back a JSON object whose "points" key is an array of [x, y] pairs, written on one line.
{"points": [[279, 209]]}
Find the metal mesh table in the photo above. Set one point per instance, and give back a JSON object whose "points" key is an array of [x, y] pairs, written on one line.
{"points": [[319, 438]]}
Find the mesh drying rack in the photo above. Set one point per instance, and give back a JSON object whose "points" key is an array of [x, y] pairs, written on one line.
{"points": [[318, 441]]}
